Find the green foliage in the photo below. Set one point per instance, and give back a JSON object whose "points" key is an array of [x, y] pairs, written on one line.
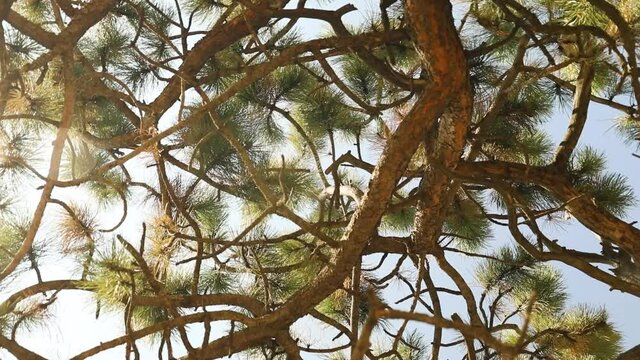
{"points": [[515, 134], [138, 73], [282, 85], [336, 356], [546, 284], [629, 129], [588, 163], [208, 210], [214, 281], [20, 48], [104, 120], [612, 192], [145, 316], [522, 278], [338, 304], [608, 190], [412, 346], [12, 233], [153, 39], [205, 7], [324, 112], [108, 48], [297, 186], [213, 152], [38, 11], [535, 149], [359, 76], [289, 255], [605, 80], [110, 188], [295, 253], [490, 17], [467, 224], [114, 280], [400, 220], [110, 278], [17, 149], [77, 229], [579, 333], [28, 316], [6, 200], [511, 266], [163, 244], [483, 73], [535, 197], [579, 12], [81, 160], [179, 283], [280, 128]]}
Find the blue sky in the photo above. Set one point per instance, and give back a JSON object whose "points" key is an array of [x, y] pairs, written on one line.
{"points": [[600, 134]]}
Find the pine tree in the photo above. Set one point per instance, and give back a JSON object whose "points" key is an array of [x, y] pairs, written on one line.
{"points": [[273, 179]]}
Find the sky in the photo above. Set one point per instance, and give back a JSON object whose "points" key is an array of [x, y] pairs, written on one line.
{"points": [[600, 134], [76, 329]]}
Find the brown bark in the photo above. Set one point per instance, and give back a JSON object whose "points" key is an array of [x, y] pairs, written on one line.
{"points": [[581, 100], [18, 351], [446, 57], [582, 207], [54, 166]]}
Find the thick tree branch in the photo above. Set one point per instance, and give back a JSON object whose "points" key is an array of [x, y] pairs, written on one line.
{"points": [[581, 99]]}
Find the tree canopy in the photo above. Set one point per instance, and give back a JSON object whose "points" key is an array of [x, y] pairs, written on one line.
{"points": [[275, 179]]}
